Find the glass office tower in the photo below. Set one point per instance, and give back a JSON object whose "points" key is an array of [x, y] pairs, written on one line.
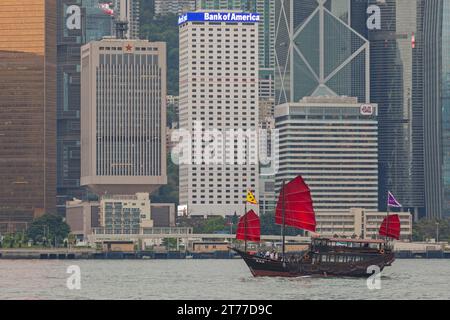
{"points": [[27, 112], [94, 24], [397, 88], [437, 108], [320, 50]]}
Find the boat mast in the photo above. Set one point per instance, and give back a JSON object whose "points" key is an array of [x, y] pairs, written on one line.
{"points": [[245, 225], [283, 233], [387, 224]]}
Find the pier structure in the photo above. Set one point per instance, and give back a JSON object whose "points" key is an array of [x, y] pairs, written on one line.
{"points": [[182, 235]]}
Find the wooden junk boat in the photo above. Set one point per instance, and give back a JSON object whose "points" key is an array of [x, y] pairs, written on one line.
{"points": [[325, 256]]}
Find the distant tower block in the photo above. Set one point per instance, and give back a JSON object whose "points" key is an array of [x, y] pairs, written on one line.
{"points": [[123, 116], [128, 10], [121, 29]]}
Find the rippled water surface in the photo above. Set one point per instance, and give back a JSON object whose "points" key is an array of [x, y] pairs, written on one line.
{"points": [[210, 279]]}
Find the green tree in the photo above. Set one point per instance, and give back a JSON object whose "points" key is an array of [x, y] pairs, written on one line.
{"points": [[170, 243], [48, 228], [169, 192], [427, 229], [19, 239], [211, 225], [268, 226], [154, 28]]}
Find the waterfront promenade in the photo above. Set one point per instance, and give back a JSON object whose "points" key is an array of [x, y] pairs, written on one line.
{"points": [[404, 250]]}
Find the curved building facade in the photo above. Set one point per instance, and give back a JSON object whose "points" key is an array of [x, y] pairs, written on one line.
{"points": [[397, 88], [437, 107], [94, 25]]}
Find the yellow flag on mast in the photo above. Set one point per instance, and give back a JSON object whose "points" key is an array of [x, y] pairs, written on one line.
{"points": [[251, 198]]}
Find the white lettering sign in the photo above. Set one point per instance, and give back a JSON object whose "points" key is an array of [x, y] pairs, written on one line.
{"points": [[74, 281], [73, 21], [182, 19], [374, 280], [374, 21]]}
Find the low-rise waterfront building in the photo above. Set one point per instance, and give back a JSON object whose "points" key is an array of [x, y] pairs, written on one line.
{"points": [[118, 214], [82, 217], [163, 215], [373, 220], [209, 247], [124, 213], [359, 223], [119, 246]]}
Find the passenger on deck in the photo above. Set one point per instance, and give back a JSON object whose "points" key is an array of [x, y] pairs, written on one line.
{"points": [[272, 255]]}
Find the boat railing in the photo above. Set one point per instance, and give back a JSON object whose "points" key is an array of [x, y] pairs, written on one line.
{"points": [[336, 248]]}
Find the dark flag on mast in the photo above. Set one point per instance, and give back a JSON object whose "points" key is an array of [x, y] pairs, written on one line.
{"points": [[392, 202]]}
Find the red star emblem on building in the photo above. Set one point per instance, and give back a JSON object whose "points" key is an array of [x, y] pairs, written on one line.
{"points": [[129, 47]]}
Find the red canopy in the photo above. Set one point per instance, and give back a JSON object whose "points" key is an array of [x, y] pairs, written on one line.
{"points": [[249, 227], [391, 227], [298, 206]]}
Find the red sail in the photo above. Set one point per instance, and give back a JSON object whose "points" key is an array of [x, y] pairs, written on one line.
{"points": [[249, 227], [298, 206], [391, 227]]}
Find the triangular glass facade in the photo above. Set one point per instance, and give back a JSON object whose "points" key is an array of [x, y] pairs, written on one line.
{"points": [[319, 51]]}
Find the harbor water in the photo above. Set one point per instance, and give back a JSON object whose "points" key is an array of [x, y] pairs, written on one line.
{"points": [[209, 279]]}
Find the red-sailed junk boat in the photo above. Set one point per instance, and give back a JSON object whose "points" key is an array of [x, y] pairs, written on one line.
{"points": [[325, 256]]}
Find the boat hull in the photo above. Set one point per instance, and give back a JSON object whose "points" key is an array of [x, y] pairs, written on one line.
{"points": [[262, 267]]}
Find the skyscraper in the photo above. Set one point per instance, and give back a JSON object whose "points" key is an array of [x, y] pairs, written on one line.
{"points": [[333, 143], [266, 8], [436, 34], [27, 111], [223, 4], [78, 23], [218, 96], [128, 10], [397, 87], [320, 50], [266, 39], [165, 7], [123, 116], [327, 126]]}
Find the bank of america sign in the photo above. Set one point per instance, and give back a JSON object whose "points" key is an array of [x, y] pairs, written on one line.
{"points": [[219, 17]]}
